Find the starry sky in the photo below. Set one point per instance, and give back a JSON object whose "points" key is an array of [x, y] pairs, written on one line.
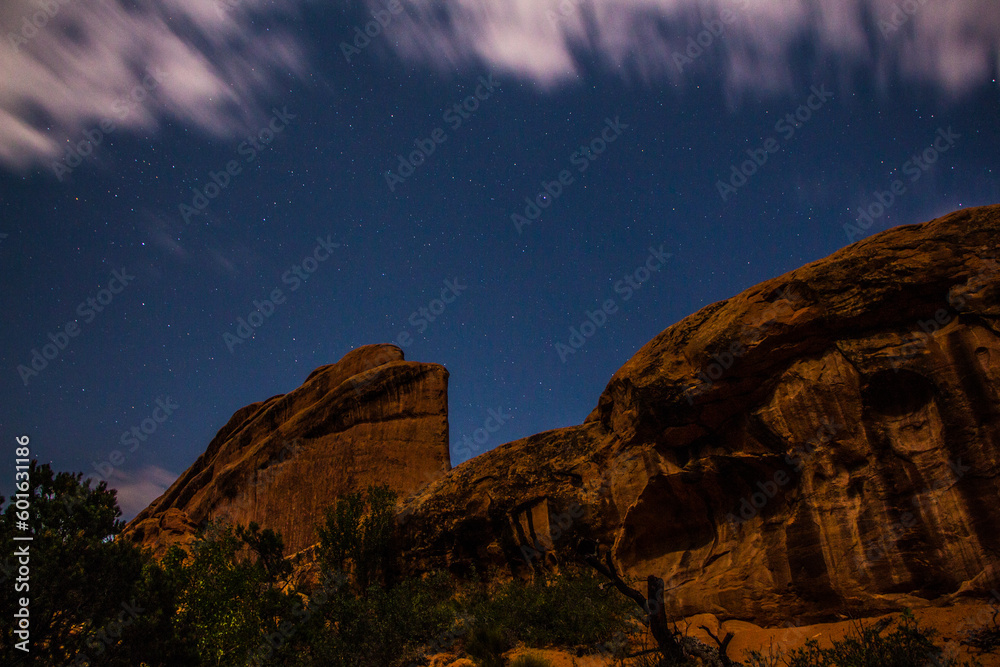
{"points": [[201, 201]]}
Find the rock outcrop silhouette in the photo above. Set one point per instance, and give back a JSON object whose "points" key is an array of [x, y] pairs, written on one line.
{"points": [[370, 418], [826, 442]]}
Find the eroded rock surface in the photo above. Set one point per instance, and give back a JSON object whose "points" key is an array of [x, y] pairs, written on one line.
{"points": [[371, 418], [824, 442]]}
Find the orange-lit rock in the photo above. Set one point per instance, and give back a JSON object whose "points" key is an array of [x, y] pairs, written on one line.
{"points": [[836, 458], [371, 418], [802, 449]]}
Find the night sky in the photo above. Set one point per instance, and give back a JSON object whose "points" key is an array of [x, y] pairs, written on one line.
{"points": [[660, 155]]}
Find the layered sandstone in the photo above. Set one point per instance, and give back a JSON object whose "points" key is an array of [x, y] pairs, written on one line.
{"points": [[371, 418], [826, 442], [801, 449]]}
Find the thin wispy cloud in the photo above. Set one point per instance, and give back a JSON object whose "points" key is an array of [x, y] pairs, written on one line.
{"points": [[220, 64], [953, 45], [137, 489], [68, 65]]}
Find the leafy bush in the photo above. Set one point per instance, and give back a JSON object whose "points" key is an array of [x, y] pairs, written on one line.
{"points": [[356, 537], [81, 574], [229, 600], [386, 626], [567, 609], [657, 659], [772, 658], [375, 619]]}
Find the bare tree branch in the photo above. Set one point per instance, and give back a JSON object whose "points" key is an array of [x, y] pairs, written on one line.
{"points": [[723, 645]]}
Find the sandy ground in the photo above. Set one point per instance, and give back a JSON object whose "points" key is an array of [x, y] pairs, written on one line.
{"points": [[950, 622]]}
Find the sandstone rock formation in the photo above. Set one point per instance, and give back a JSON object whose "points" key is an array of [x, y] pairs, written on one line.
{"points": [[370, 418], [825, 442]]}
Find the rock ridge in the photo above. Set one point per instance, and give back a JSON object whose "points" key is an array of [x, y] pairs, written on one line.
{"points": [[370, 418], [824, 442]]}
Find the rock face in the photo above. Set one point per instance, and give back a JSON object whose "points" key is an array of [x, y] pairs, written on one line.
{"points": [[371, 418], [825, 442]]}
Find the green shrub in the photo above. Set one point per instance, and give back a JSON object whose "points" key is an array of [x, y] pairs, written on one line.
{"points": [[356, 537], [386, 626], [229, 600], [374, 618], [82, 572], [654, 658], [772, 658], [568, 609]]}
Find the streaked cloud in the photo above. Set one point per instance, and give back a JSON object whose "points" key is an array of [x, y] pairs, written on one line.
{"points": [[68, 64], [221, 59], [951, 44]]}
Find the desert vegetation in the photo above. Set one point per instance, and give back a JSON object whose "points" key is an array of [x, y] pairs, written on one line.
{"points": [[231, 599]]}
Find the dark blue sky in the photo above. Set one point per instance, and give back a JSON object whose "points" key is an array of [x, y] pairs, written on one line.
{"points": [[447, 226]]}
